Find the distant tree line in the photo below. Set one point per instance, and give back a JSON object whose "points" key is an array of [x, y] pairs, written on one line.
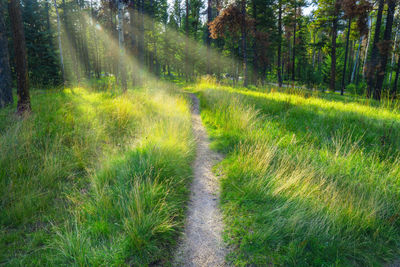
{"points": [[343, 45]]}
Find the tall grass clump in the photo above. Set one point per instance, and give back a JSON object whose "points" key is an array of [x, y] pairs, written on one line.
{"points": [[308, 180], [93, 178]]}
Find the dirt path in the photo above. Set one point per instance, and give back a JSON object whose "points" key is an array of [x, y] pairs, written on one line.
{"points": [[202, 243]]}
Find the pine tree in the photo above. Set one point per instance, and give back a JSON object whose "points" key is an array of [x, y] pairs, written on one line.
{"points": [[21, 68], [6, 96]]}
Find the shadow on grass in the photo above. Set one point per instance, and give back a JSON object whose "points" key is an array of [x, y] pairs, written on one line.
{"points": [[320, 202], [320, 124]]}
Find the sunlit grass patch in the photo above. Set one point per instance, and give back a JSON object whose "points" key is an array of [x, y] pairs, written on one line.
{"points": [[306, 180], [94, 178]]}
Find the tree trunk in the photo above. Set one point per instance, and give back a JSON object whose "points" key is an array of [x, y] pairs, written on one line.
{"points": [[59, 42], [373, 62], [97, 67], [244, 43], [345, 57], [333, 52], [6, 96], [393, 58], [208, 38], [356, 63], [279, 44], [313, 51], [122, 72], [294, 44], [255, 71], [385, 49], [187, 67], [21, 66], [367, 46]]}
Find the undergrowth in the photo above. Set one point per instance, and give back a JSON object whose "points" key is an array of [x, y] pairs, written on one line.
{"points": [[91, 178]]}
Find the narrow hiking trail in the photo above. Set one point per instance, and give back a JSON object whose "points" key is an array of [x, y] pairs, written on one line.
{"points": [[202, 243]]}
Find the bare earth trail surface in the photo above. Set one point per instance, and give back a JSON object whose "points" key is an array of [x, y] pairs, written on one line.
{"points": [[202, 243]]}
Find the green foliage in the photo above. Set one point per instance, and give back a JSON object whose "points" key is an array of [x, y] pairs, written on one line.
{"points": [[356, 89], [44, 68], [309, 179], [106, 83]]}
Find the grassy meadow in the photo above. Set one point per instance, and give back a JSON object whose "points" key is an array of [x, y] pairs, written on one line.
{"points": [[309, 179], [94, 178]]}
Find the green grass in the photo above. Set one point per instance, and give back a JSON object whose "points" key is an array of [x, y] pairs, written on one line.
{"points": [[309, 179], [92, 178]]}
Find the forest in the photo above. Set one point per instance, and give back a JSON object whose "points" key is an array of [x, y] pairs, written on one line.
{"points": [[199, 133]]}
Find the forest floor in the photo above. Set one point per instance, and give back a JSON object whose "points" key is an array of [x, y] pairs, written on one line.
{"points": [[202, 243]]}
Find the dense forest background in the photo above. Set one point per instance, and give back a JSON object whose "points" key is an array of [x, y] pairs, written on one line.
{"points": [[342, 45]]}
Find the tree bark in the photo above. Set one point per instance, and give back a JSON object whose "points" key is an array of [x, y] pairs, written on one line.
{"points": [[345, 57], [187, 67], [6, 96], [294, 44], [244, 43], [279, 44], [96, 61], [122, 71], [333, 52], [356, 63], [208, 38], [393, 58], [367, 46], [385, 49], [255, 68], [21, 66], [373, 62]]}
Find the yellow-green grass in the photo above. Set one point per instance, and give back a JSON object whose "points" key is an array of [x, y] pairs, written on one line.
{"points": [[94, 178], [308, 179]]}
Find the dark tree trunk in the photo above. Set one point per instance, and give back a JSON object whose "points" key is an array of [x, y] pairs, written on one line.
{"points": [[244, 44], [6, 96], [187, 67], [294, 44], [255, 72], [374, 60], [385, 49], [208, 38], [279, 44], [21, 66], [345, 57], [333, 52]]}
